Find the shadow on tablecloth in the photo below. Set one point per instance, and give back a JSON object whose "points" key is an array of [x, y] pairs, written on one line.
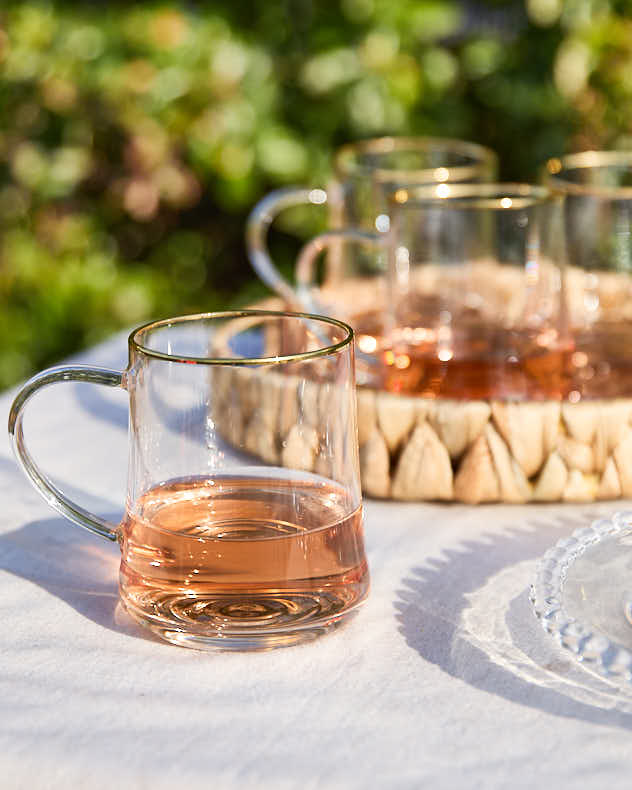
{"points": [[74, 566], [469, 613]]}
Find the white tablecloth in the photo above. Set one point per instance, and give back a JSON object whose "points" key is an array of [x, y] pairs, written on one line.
{"points": [[444, 679]]}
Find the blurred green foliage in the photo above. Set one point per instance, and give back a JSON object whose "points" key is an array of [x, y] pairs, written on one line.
{"points": [[134, 138]]}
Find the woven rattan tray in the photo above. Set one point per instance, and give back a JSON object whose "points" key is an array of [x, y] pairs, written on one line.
{"points": [[414, 448]]}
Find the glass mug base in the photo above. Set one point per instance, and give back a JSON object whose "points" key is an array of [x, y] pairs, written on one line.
{"points": [[246, 559], [244, 623]]}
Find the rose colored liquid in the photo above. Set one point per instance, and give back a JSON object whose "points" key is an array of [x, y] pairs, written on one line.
{"points": [[243, 555], [478, 361]]}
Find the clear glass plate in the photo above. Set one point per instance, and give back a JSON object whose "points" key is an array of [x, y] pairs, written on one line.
{"points": [[582, 595]]}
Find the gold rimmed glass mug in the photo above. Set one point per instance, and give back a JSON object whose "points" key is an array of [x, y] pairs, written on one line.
{"points": [[474, 282], [597, 190], [365, 173], [243, 519]]}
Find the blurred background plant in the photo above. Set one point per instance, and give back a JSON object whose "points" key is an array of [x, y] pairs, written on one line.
{"points": [[135, 137]]}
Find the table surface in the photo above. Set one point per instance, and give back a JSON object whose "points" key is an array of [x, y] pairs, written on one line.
{"points": [[444, 679]]}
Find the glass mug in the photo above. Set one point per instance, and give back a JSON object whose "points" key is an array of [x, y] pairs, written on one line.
{"points": [[364, 175], [597, 191], [243, 520], [475, 294]]}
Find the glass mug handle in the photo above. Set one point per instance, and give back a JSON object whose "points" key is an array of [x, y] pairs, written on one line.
{"points": [[257, 225], [54, 497], [305, 266], [308, 255]]}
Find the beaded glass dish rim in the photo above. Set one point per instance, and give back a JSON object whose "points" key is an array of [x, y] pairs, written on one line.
{"points": [[591, 647]]}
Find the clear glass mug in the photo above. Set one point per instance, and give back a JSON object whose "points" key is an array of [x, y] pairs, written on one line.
{"points": [[597, 191], [475, 306], [243, 520], [364, 175]]}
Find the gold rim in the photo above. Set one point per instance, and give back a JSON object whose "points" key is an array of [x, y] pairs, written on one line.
{"points": [[504, 197], [555, 169], [137, 346], [346, 160]]}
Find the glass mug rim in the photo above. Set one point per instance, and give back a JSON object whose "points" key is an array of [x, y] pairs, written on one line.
{"points": [[348, 159], [326, 350], [556, 168], [503, 196]]}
